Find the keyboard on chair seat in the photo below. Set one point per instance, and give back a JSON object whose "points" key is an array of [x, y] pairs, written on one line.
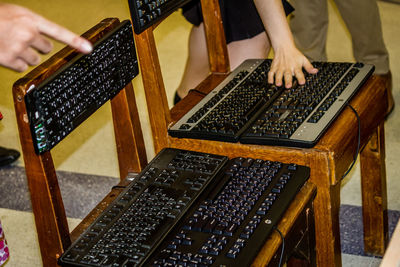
{"points": [[190, 209], [69, 96], [245, 108]]}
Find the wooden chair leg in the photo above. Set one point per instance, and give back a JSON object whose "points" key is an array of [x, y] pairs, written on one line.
{"points": [[48, 209], [374, 195], [326, 210], [47, 205], [327, 230]]}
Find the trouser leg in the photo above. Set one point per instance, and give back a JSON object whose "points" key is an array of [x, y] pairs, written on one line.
{"points": [[309, 25], [364, 24]]}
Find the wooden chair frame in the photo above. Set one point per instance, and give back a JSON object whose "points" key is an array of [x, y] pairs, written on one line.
{"points": [[328, 160], [47, 203]]}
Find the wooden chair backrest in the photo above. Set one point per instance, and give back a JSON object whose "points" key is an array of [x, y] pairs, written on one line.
{"points": [[47, 203], [159, 113]]}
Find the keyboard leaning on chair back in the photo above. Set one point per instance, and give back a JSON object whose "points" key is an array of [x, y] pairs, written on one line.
{"points": [[245, 108], [190, 209], [145, 13], [68, 97]]}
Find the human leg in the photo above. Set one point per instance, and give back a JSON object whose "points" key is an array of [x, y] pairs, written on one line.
{"points": [[309, 25], [255, 47], [364, 24], [197, 65]]}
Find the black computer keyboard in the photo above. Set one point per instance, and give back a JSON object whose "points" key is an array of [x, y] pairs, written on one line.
{"points": [[245, 108], [190, 208], [145, 13], [69, 96]]}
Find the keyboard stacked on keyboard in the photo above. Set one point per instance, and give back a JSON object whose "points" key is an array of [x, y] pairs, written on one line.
{"points": [[232, 222], [190, 209], [245, 108], [145, 13], [133, 225], [64, 100]]}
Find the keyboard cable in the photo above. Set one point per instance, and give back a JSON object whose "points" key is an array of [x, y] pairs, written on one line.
{"points": [[197, 91], [358, 140], [283, 245]]}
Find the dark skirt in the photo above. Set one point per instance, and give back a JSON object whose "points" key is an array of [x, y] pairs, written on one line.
{"points": [[240, 17]]}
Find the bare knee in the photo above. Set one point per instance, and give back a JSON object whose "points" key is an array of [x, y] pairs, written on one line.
{"points": [[197, 64], [255, 47]]}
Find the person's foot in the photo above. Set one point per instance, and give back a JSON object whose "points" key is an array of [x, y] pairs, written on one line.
{"points": [[8, 156], [388, 84]]}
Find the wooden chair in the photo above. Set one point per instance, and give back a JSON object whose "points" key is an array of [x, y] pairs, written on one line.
{"points": [[328, 160], [47, 203]]}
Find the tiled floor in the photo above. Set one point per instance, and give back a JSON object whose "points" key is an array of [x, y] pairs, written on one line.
{"points": [[75, 154]]}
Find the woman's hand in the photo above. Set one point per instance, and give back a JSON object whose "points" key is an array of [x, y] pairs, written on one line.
{"points": [[288, 62]]}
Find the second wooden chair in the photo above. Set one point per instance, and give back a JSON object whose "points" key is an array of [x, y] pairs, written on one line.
{"points": [[328, 160]]}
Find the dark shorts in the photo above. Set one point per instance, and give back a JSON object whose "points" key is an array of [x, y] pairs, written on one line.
{"points": [[240, 17]]}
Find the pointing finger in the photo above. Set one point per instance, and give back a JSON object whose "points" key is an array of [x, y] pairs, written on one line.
{"points": [[63, 35]]}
